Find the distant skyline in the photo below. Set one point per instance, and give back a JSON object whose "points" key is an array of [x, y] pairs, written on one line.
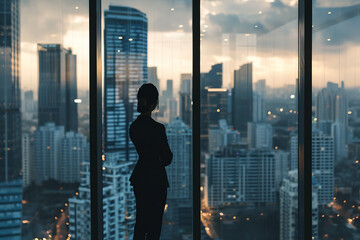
{"points": [[170, 39]]}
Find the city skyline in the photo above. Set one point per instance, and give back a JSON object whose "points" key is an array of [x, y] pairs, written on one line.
{"points": [[163, 36]]}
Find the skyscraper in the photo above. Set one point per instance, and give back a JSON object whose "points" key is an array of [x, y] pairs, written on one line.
{"points": [[185, 97], [153, 77], [10, 116], [57, 87], [289, 207], [125, 54], [322, 163], [242, 107], [236, 175], [260, 135], [73, 151], [26, 164], [47, 152], [179, 172]]}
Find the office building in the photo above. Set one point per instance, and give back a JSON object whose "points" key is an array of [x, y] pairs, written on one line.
{"points": [[10, 210], [73, 151], [260, 135], [57, 87], [46, 149], [185, 98], [153, 77], [260, 88], [125, 70], [26, 160], [179, 171], [259, 108], [222, 136], [322, 163], [10, 98], [242, 96], [252, 175], [118, 201], [289, 207]]}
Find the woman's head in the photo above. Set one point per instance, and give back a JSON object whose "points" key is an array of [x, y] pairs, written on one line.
{"points": [[148, 98]]}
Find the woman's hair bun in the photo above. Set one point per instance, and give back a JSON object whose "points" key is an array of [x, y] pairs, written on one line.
{"points": [[147, 96]]}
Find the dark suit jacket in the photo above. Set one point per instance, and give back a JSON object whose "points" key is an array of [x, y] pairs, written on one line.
{"points": [[149, 138]]}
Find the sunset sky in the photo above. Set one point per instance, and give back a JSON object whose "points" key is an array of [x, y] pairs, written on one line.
{"points": [[273, 25]]}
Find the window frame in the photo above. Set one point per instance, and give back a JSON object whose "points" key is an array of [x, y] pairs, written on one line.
{"points": [[304, 88]]}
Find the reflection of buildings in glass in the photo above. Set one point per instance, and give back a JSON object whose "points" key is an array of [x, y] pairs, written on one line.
{"points": [[289, 207], [237, 175], [260, 135], [10, 209], [57, 87], [118, 202], [237, 49], [222, 136], [10, 116], [185, 99], [242, 97], [322, 163], [125, 70]]}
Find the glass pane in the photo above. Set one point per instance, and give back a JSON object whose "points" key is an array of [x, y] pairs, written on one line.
{"points": [[44, 126], [249, 62], [146, 42], [335, 137]]}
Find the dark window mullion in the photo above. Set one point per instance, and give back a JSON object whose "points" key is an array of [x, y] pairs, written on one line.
{"points": [[95, 120], [304, 88], [196, 119]]}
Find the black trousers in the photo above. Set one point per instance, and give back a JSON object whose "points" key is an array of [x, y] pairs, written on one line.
{"points": [[150, 204]]}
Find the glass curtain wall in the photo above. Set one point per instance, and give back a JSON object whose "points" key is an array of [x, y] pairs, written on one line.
{"points": [[146, 42], [335, 132], [249, 65], [44, 119]]}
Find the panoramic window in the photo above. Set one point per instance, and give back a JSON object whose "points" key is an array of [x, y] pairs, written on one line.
{"points": [[44, 119], [249, 60], [335, 133], [146, 42]]}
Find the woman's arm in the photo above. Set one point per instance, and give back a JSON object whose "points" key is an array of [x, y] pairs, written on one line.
{"points": [[166, 155]]}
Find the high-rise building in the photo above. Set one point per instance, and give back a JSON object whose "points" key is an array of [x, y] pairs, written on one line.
{"points": [[57, 87], [260, 88], [222, 136], [214, 108], [118, 202], [259, 108], [281, 166], [26, 164], [169, 92], [73, 151], [252, 175], [322, 163], [179, 171], [242, 96], [10, 210], [125, 54], [185, 109], [153, 77], [213, 78], [171, 110], [289, 207], [260, 135], [10, 98], [47, 152]]}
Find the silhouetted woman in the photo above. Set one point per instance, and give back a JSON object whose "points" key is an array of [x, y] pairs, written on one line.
{"points": [[149, 177]]}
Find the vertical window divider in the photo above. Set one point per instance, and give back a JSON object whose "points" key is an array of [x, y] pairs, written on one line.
{"points": [[304, 90], [95, 120], [196, 118]]}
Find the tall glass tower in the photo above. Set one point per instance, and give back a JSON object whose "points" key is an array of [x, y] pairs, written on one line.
{"points": [[10, 118], [125, 71]]}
